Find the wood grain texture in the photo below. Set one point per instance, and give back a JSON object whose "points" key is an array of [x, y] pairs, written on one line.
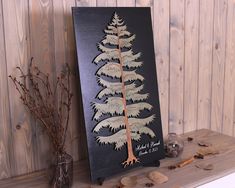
{"points": [[143, 3], [16, 29], [42, 51], [86, 3], [205, 63], [74, 133], [107, 3], [219, 41], [176, 66], [162, 49], [194, 48], [5, 125], [229, 88], [65, 53], [124, 3], [188, 176], [191, 64]]}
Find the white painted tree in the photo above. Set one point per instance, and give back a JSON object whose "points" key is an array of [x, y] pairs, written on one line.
{"points": [[122, 100]]}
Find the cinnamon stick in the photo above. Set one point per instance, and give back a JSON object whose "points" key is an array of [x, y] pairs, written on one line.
{"points": [[185, 162]]}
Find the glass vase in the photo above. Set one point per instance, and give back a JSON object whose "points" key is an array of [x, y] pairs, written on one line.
{"points": [[62, 171], [174, 145]]}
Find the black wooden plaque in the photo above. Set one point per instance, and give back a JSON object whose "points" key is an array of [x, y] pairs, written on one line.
{"points": [[119, 89]]}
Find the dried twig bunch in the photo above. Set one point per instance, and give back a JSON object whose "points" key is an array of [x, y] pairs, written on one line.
{"points": [[49, 105]]}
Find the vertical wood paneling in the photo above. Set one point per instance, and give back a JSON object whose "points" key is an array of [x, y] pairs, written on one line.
{"points": [[176, 65], [191, 64], [17, 54], [219, 39], [106, 3], [125, 3], [161, 41], [194, 47], [205, 63], [144, 3], [86, 3], [5, 136], [234, 112], [73, 134], [65, 53], [42, 34], [229, 85], [42, 50]]}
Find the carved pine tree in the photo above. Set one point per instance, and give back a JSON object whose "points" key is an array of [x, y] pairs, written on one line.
{"points": [[122, 100]]}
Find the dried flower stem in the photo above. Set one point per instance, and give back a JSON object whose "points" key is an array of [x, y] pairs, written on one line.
{"points": [[36, 94]]}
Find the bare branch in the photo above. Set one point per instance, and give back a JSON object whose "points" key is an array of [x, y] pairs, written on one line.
{"points": [[37, 96]]}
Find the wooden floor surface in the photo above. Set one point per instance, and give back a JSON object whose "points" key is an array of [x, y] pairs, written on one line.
{"points": [[188, 176]]}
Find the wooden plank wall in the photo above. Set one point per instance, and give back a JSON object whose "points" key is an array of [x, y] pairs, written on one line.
{"points": [[195, 61]]}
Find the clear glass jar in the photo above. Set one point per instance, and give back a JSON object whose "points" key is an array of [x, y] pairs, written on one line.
{"points": [[62, 171], [174, 145]]}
